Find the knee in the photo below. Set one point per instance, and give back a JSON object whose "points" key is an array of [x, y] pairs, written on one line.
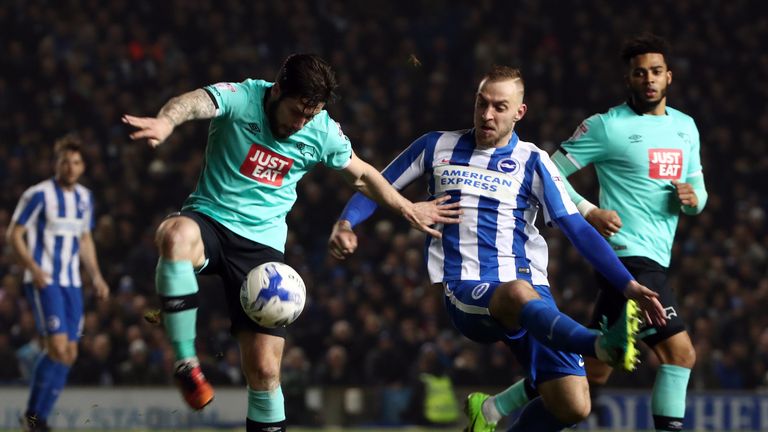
{"points": [[508, 300], [262, 373], [682, 356], [514, 294], [60, 352], [677, 351], [175, 238], [597, 372]]}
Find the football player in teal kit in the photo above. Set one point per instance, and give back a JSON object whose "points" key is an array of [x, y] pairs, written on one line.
{"points": [[646, 155], [262, 139]]}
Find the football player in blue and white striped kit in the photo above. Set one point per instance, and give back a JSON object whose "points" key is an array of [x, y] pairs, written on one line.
{"points": [[492, 266], [56, 217]]}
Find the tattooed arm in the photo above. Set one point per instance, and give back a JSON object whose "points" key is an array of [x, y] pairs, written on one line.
{"points": [[189, 106]]}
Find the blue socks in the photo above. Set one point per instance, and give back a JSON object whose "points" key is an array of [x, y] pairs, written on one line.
{"points": [[48, 379], [556, 329]]}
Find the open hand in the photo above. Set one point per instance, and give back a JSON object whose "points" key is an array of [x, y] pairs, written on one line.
{"points": [[648, 301], [423, 214], [154, 129]]}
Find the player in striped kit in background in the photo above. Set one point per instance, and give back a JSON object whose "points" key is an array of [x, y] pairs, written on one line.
{"points": [[492, 266], [56, 217]]}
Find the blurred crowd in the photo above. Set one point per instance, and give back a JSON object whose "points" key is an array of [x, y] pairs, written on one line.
{"points": [[405, 68]]}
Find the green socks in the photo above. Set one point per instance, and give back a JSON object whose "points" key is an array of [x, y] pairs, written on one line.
{"points": [[266, 406], [668, 400], [511, 399], [176, 283]]}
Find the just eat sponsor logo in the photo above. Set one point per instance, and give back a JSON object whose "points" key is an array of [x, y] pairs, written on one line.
{"points": [[665, 164], [265, 166]]}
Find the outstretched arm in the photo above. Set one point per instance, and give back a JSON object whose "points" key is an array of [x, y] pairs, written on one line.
{"points": [[599, 253], [193, 105], [367, 180]]}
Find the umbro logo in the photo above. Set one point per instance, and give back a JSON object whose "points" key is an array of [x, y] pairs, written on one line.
{"points": [[254, 127], [635, 138]]}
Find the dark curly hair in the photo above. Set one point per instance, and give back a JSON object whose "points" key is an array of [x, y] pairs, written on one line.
{"points": [[309, 78], [644, 44]]}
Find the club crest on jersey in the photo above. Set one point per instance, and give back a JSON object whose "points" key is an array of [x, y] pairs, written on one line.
{"points": [[265, 166], [508, 165], [53, 323], [82, 206], [305, 149], [665, 164]]}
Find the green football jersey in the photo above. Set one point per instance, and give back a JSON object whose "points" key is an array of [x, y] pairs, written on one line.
{"points": [[248, 179], [636, 158]]}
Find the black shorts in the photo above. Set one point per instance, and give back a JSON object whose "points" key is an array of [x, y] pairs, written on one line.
{"points": [[651, 274], [232, 256]]}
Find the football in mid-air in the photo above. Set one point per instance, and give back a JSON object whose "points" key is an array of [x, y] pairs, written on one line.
{"points": [[273, 295]]}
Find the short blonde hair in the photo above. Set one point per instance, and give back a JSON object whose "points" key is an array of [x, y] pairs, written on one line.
{"points": [[502, 73]]}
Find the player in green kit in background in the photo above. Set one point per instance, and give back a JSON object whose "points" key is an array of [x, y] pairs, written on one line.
{"points": [[263, 138], [646, 155]]}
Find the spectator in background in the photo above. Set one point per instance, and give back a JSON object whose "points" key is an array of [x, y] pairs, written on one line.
{"points": [[335, 370], [432, 401], [297, 378]]}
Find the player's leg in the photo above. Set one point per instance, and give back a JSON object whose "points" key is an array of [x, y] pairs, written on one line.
{"points": [[677, 357], [563, 403], [671, 344], [517, 304], [48, 306], [261, 348], [673, 347], [182, 249], [180, 245], [261, 355], [62, 347], [560, 379], [506, 306]]}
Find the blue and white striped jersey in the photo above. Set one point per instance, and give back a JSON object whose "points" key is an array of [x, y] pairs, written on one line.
{"points": [[55, 220], [501, 190]]}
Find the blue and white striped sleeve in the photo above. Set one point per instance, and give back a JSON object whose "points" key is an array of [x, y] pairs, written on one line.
{"points": [[405, 168], [550, 190], [29, 206]]}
